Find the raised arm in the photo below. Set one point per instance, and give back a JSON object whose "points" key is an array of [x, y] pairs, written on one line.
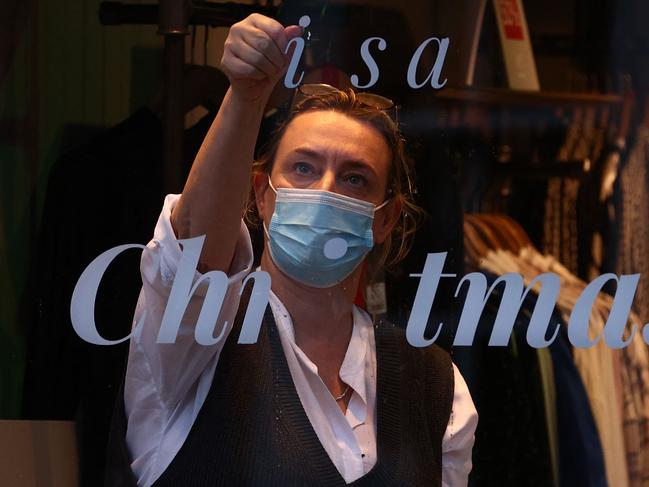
{"points": [[166, 384], [215, 193]]}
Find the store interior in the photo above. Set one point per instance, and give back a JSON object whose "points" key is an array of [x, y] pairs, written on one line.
{"points": [[104, 105]]}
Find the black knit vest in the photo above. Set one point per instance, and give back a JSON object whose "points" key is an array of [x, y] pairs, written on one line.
{"points": [[253, 431]]}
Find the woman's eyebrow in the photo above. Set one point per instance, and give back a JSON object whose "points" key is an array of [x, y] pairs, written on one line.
{"points": [[307, 152], [355, 163], [359, 165]]}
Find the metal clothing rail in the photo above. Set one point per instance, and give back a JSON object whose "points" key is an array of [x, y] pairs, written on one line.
{"points": [[173, 18], [198, 13]]}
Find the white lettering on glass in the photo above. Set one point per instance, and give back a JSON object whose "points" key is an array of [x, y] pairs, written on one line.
{"points": [[513, 294]]}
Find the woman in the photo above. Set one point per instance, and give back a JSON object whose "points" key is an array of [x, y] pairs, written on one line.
{"points": [[323, 397]]}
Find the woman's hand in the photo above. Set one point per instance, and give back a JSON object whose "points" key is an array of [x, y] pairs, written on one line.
{"points": [[254, 56]]}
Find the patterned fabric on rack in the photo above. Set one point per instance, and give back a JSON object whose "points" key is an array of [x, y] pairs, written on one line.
{"points": [[560, 235], [632, 211]]}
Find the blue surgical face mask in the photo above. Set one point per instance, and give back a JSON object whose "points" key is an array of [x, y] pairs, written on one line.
{"points": [[318, 237]]}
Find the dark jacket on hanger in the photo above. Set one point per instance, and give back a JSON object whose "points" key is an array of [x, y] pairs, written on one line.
{"points": [[512, 446], [102, 194]]}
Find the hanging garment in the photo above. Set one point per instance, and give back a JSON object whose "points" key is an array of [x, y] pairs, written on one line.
{"points": [[103, 194], [618, 401], [581, 459], [512, 440]]}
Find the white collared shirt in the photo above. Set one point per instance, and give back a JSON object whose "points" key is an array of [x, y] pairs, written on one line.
{"points": [[166, 384]]}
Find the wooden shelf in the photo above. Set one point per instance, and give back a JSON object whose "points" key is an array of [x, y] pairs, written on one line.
{"points": [[500, 96]]}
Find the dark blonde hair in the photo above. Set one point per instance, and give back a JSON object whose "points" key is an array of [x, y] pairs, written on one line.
{"points": [[400, 178]]}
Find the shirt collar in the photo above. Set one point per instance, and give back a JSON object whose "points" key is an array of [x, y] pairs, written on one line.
{"points": [[353, 368]]}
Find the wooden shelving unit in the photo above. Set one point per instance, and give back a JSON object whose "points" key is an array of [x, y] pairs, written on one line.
{"points": [[505, 97]]}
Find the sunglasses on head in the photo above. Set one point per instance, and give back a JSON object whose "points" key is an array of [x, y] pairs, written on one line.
{"points": [[371, 100]]}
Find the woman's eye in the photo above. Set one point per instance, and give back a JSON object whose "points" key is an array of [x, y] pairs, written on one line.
{"points": [[302, 168], [356, 180]]}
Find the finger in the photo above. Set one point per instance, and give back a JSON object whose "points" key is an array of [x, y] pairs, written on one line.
{"points": [[290, 33], [253, 57], [272, 28], [293, 31], [261, 41], [240, 69]]}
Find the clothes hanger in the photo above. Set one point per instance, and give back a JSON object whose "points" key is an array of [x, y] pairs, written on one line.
{"points": [[516, 235], [203, 85], [485, 232], [503, 238], [475, 241], [473, 248], [491, 239]]}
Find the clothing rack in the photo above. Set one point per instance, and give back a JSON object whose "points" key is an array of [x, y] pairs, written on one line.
{"points": [[173, 18], [497, 244], [197, 12], [532, 155]]}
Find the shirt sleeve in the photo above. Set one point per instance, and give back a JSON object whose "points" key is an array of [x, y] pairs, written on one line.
{"points": [[459, 436], [166, 384]]}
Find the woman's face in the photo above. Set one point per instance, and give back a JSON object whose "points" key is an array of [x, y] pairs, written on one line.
{"points": [[330, 151]]}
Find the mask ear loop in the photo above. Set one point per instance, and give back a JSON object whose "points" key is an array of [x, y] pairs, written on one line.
{"points": [[271, 184], [382, 205], [263, 223]]}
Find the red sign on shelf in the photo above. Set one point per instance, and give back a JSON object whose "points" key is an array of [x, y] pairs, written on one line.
{"points": [[512, 19]]}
